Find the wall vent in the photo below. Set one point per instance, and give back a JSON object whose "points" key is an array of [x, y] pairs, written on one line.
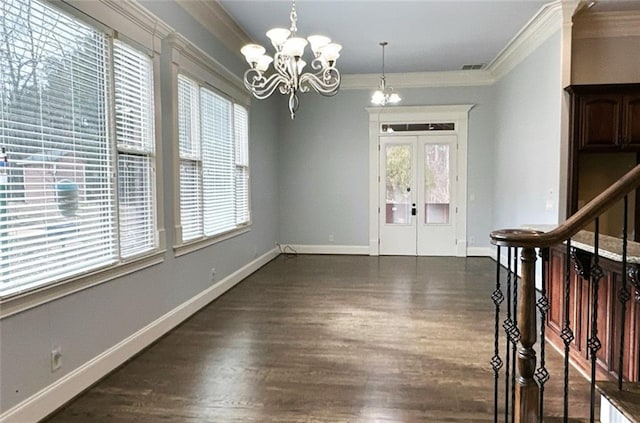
{"points": [[473, 67]]}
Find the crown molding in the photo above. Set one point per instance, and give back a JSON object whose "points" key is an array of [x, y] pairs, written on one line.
{"points": [[545, 23], [418, 80], [216, 20], [607, 25]]}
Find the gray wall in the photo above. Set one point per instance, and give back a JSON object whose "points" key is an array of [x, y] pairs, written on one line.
{"points": [[324, 164], [513, 158], [89, 322], [527, 143]]}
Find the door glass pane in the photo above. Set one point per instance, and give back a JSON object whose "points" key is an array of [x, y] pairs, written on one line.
{"points": [[398, 184], [436, 184]]}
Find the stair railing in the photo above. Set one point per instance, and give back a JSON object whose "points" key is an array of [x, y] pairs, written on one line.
{"points": [[523, 395]]}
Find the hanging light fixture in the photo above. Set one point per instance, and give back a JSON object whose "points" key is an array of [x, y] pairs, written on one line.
{"points": [[287, 61], [384, 95]]}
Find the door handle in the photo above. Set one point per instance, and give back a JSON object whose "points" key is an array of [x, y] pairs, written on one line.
{"points": [[414, 211]]}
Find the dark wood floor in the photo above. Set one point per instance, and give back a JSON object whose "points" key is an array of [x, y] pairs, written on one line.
{"points": [[324, 339]]}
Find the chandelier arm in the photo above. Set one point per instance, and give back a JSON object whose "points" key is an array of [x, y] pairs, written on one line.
{"points": [[325, 82], [317, 64], [281, 64], [284, 66], [260, 86]]}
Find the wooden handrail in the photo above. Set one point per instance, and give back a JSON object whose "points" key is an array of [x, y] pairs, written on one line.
{"points": [[593, 209]]}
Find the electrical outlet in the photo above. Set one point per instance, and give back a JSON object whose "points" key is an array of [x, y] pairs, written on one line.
{"points": [[213, 272], [331, 239], [56, 359]]}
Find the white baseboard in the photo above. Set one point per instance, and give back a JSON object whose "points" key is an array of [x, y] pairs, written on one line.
{"points": [[609, 413], [481, 252], [365, 250], [52, 397], [330, 249]]}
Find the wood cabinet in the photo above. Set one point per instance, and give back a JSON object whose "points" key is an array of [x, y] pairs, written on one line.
{"points": [[580, 314], [606, 117], [604, 144]]}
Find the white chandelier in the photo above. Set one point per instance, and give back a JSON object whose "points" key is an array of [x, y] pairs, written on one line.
{"points": [[287, 74], [384, 95]]}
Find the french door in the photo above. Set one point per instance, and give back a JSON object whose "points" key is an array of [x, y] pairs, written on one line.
{"points": [[417, 195]]}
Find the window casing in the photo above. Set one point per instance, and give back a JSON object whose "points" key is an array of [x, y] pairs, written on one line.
{"points": [[78, 124], [212, 157]]}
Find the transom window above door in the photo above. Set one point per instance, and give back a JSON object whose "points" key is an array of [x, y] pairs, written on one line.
{"points": [[417, 127]]}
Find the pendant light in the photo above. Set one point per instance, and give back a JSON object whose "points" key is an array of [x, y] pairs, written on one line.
{"points": [[384, 95]]}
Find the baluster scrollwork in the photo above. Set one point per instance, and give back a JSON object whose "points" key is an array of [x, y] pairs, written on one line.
{"points": [[581, 262], [633, 272]]}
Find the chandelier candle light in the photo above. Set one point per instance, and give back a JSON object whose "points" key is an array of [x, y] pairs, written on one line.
{"points": [[384, 95], [287, 61]]}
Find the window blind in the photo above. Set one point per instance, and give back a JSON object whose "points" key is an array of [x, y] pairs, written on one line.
{"points": [[133, 98], [241, 125], [58, 215], [217, 163], [190, 163], [214, 161], [53, 126]]}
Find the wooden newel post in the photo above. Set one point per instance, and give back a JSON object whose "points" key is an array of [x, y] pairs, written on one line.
{"points": [[526, 405]]}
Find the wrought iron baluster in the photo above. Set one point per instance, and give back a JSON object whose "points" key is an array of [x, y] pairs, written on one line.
{"points": [[507, 325], [542, 375], [496, 362], [515, 333], [623, 292], [593, 343], [567, 333]]}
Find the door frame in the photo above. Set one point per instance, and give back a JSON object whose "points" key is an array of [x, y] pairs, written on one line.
{"points": [[458, 114]]}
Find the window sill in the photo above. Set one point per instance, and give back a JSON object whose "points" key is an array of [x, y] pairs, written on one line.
{"points": [[29, 297], [198, 244]]}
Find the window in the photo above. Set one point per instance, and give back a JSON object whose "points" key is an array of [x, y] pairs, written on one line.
{"points": [[214, 161], [77, 123], [417, 127]]}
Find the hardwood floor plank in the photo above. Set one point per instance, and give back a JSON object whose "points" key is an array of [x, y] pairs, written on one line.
{"points": [[323, 339]]}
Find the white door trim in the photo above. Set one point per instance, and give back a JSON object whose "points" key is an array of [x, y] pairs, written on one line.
{"points": [[459, 114]]}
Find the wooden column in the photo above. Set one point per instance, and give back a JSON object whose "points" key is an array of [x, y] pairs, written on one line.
{"points": [[526, 405]]}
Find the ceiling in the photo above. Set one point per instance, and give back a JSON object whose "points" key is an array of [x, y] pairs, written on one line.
{"points": [[423, 35]]}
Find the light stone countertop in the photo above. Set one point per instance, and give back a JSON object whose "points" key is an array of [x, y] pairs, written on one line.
{"points": [[609, 247]]}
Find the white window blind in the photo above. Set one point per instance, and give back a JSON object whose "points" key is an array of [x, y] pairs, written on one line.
{"points": [[190, 163], [214, 164], [217, 163], [241, 125], [133, 87], [59, 217]]}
